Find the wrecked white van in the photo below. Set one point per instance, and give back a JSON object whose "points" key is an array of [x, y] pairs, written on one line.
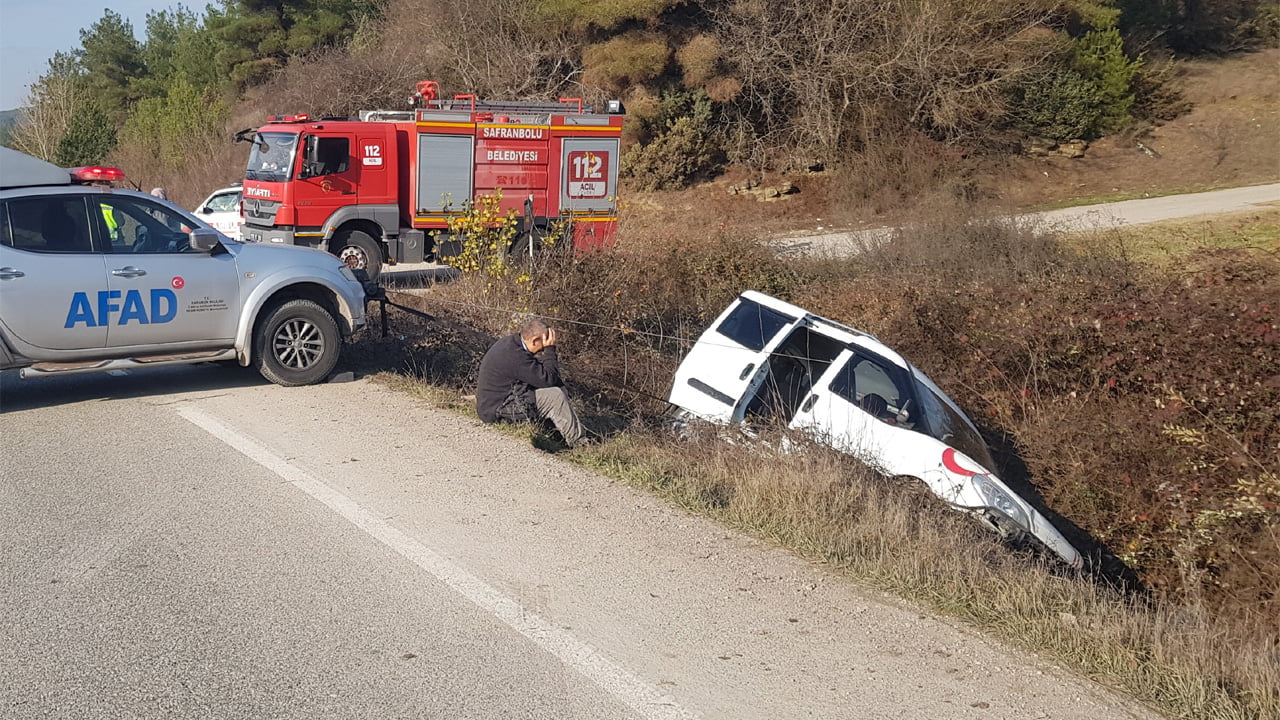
{"points": [[767, 359]]}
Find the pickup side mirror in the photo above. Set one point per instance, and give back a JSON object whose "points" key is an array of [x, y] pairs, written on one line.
{"points": [[204, 239]]}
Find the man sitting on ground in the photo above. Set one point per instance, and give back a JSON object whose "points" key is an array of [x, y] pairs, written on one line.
{"points": [[516, 385]]}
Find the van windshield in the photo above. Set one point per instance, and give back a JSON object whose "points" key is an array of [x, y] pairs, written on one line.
{"points": [[947, 424], [271, 156]]}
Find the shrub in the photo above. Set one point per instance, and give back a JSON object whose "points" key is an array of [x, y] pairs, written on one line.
{"points": [[677, 144], [1061, 105], [177, 126], [485, 233], [1155, 97], [699, 59], [624, 60]]}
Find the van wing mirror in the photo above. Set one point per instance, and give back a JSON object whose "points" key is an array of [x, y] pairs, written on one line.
{"points": [[904, 412]]}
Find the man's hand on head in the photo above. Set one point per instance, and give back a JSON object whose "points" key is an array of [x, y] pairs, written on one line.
{"points": [[549, 338]]}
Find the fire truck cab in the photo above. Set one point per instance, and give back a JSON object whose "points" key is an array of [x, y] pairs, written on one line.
{"points": [[382, 188]]}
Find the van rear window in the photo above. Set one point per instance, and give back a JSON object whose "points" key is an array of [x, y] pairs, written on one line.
{"points": [[753, 325]]}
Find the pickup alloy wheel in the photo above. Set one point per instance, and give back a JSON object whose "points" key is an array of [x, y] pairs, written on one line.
{"points": [[296, 343]]}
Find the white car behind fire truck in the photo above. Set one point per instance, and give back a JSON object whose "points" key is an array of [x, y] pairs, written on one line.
{"points": [[222, 211]]}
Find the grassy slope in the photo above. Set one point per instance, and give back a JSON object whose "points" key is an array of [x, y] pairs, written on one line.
{"points": [[1174, 654]]}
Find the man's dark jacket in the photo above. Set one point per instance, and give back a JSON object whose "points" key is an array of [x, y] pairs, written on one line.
{"points": [[508, 376]]}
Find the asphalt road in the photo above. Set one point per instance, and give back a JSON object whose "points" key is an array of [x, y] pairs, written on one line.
{"points": [[192, 542]]}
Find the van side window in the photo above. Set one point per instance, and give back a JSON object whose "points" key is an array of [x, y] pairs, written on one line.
{"points": [[862, 376], [753, 325]]}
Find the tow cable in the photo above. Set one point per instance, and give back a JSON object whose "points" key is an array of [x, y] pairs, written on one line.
{"points": [[376, 293]]}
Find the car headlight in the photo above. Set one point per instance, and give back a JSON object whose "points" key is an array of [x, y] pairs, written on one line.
{"points": [[997, 498]]}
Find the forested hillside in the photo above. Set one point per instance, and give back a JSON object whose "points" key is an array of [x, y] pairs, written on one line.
{"points": [[770, 85]]}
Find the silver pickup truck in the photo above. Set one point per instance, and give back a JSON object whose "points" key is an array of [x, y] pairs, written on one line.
{"points": [[97, 278]]}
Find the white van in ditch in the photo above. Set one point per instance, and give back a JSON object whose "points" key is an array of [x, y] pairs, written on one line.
{"points": [[768, 359]]}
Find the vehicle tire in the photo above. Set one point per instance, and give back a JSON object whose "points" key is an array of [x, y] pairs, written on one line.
{"points": [[523, 248], [358, 251], [296, 343], [534, 243]]}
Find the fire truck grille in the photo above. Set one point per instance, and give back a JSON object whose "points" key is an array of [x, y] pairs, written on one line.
{"points": [[260, 211]]}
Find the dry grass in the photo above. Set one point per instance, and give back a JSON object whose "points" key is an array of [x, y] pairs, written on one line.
{"points": [[1168, 243], [826, 507]]}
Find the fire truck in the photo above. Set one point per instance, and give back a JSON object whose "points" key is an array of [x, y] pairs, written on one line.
{"points": [[382, 188]]}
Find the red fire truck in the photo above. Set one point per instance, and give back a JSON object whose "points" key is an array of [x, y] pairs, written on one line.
{"points": [[381, 189]]}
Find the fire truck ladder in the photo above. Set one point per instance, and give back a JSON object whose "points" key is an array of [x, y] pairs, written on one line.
{"points": [[428, 92]]}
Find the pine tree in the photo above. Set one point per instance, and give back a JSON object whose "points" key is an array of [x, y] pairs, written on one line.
{"points": [[89, 137]]}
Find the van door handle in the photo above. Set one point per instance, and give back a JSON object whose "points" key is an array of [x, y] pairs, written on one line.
{"points": [[8, 273], [747, 371], [808, 404], [128, 271]]}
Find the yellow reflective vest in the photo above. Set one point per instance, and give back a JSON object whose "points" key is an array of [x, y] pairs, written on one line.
{"points": [[113, 226]]}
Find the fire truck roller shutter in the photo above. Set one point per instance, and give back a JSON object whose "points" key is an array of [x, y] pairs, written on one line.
{"points": [[445, 166]]}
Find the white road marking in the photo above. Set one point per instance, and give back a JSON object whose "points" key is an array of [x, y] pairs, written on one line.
{"points": [[580, 656]]}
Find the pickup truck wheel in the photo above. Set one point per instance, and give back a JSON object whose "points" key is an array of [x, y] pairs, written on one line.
{"points": [[358, 251], [296, 343]]}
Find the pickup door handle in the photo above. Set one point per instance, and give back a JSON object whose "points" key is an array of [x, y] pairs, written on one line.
{"points": [[747, 371], [8, 273], [808, 403], [128, 271]]}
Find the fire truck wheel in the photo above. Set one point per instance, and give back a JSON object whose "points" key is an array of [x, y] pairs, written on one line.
{"points": [[296, 343], [532, 244], [358, 251], [524, 248]]}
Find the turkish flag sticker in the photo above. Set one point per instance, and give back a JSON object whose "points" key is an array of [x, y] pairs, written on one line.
{"points": [[177, 282]]}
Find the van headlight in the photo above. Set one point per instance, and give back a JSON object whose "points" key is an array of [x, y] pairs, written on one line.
{"points": [[1000, 500]]}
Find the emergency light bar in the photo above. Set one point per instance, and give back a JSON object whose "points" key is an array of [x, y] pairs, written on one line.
{"points": [[288, 118], [96, 173]]}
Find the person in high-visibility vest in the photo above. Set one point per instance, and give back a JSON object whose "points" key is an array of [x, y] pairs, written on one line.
{"points": [[113, 226]]}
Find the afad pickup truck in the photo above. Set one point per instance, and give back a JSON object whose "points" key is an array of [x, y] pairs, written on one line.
{"points": [[97, 278]]}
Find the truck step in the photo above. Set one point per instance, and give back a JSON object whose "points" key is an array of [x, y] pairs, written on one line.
{"points": [[69, 368]]}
